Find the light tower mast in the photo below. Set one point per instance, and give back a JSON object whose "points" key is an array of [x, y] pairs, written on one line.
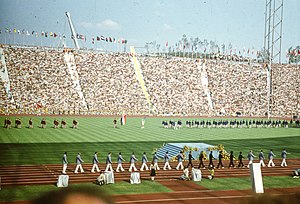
{"points": [[272, 42], [74, 36]]}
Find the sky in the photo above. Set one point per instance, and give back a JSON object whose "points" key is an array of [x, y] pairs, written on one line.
{"points": [[239, 22]]}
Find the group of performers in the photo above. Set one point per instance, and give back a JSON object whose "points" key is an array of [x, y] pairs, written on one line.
{"points": [[8, 123], [230, 124], [18, 123]]}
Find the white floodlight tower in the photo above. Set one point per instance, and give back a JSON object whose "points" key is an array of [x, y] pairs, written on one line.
{"points": [[72, 31], [272, 42]]}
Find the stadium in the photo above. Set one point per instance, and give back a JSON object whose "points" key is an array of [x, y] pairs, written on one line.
{"points": [[67, 99]]}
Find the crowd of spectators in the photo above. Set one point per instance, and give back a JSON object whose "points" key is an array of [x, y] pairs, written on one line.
{"points": [[286, 90], [238, 88], [40, 82]]}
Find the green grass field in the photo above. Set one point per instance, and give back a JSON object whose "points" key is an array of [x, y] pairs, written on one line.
{"points": [[46, 146], [121, 188]]}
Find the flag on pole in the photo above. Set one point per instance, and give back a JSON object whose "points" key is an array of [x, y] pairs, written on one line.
{"points": [[123, 119]]}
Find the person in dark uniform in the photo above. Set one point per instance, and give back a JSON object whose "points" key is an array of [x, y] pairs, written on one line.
{"points": [[220, 160], [211, 157], [231, 163], [56, 123], [43, 123], [30, 123], [75, 124], [241, 157], [152, 171], [190, 160], [115, 123], [201, 157], [63, 124]]}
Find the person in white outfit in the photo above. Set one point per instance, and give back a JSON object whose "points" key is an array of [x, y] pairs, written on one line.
{"points": [[143, 123], [261, 158], [185, 175], [101, 178], [271, 156], [108, 163], [167, 158], [132, 161], [155, 160], [95, 163], [79, 162], [144, 162], [120, 160], [283, 156], [180, 159], [65, 163], [250, 158]]}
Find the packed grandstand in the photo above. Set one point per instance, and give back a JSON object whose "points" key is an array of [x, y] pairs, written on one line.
{"points": [[60, 81]]}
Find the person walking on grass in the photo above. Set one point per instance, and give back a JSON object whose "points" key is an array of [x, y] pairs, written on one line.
{"points": [[132, 161], [120, 160], [250, 158], [283, 156], [79, 162], [261, 158], [155, 160], [95, 163], [167, 164], [108, 163], [220, 160], [201, 157], [191, 158], [241, 157], [231, 158], [144, 162], [211, 157], [180, 160], [65, 163], [271, 157]]}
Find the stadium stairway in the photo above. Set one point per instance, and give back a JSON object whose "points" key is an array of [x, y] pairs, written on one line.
{"points": [[4, 77], [173, 150], [48, 174]]}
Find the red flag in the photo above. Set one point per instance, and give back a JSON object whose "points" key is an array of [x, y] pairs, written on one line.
{"points": [[123, 119]]}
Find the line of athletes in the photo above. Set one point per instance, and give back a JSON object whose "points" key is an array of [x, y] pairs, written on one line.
{"points": [[180, 159], [18, 123]]}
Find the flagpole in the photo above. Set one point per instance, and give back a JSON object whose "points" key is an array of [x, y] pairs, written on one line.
{"points": [[41, 38]]}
